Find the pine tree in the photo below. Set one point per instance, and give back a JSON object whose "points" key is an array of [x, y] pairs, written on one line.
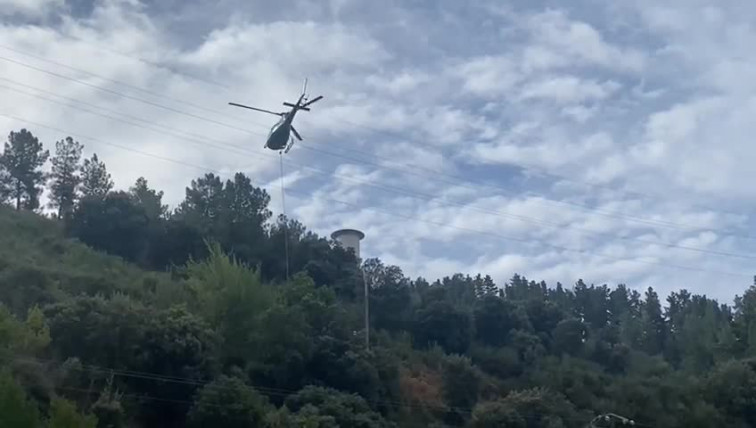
{"points": [[654, 326], [66, 178], [5, 180], [150, 199], [95, 179], [21, 161]]}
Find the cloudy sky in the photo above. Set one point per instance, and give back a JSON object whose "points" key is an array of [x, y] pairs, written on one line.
{"points": [[608, 141]]}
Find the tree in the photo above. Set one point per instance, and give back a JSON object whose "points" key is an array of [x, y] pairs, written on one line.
{"points": [[114, 224], [65, 176], [443, 324], [228, 402], [63, 414], [16, 409], [231, 296], [232, 214], [568, 336], [461, 387], [531, 408], [494, 319], [150, 199], [5, 183], [22, 158], [654, 326], [327, 407], [95, 179], [732, 389], [175, 344]]}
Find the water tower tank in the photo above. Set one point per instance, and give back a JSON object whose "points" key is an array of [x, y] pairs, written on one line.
{"points": [[349, 238]]}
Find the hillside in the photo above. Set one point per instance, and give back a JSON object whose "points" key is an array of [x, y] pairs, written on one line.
{"points": [[40, 265], [128, 314]]}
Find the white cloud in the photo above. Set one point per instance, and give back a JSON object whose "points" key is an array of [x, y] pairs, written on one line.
{"points": [[32, 8], [580, 42], [568, 89], [662, 107]]}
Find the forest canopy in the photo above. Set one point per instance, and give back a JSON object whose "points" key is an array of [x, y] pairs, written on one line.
{"points": [[119, 311]]}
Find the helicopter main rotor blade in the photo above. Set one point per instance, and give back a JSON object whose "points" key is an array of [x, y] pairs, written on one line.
{"points": [[296, 134], [318, 98], [257, 109]]}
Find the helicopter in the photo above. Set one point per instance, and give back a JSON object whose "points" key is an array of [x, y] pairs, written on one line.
{"points": [[279, 137]]}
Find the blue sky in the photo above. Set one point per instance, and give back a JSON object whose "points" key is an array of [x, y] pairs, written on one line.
{"points": [[608, 141]]}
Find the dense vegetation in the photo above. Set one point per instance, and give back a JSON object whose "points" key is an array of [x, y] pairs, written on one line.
{"points": [[120, 312]]}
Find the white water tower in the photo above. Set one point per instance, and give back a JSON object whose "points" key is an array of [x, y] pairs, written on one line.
{"points": [[349, 238]]}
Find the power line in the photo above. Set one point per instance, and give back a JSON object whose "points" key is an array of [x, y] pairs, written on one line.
{"points": [[584, 207], [120, 94], [280, 392], [519, 164], [150, 63], [120, 82], [487, 234], [204, 141], [286, 221]]}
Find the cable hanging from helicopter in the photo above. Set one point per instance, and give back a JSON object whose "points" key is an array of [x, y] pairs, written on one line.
{"points": [[280, 137]]}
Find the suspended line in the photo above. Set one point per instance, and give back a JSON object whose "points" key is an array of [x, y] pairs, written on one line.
{"points": [[416, 195], [392, 134], [587, 208], [488, 234], [286, 220]]}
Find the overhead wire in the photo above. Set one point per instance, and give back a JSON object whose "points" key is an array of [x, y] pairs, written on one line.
{"points": [[117, 82], [159, 66], [121, 94], [435, 174], [286, 220], [397, 190], [270, 391], [488, 234]]}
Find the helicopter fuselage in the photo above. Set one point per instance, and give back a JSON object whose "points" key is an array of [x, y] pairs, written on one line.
{"points": [[280, 133]]}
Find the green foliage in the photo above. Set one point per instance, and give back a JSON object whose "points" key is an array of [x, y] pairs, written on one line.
{"points": [[95, 179], [22, 338], [63, 414], [149, 199], [228, 402], [21, 161], [227, 337], [531, 408], [494, 319], [231, 296], [461, 388], [441, 323], [16, 409], [732, 389], [114, 224], [329, 408], [108, 408], [65, 177], [568, 336], [179, 345]]}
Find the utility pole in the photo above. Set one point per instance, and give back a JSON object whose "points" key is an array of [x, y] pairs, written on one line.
{"points": [[367, 317]]}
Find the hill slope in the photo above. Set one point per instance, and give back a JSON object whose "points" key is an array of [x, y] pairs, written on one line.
{"points": [[40, 265], [224, 343]]}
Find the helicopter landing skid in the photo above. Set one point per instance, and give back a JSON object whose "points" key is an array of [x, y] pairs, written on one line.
{"points": [[288, 146]]}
